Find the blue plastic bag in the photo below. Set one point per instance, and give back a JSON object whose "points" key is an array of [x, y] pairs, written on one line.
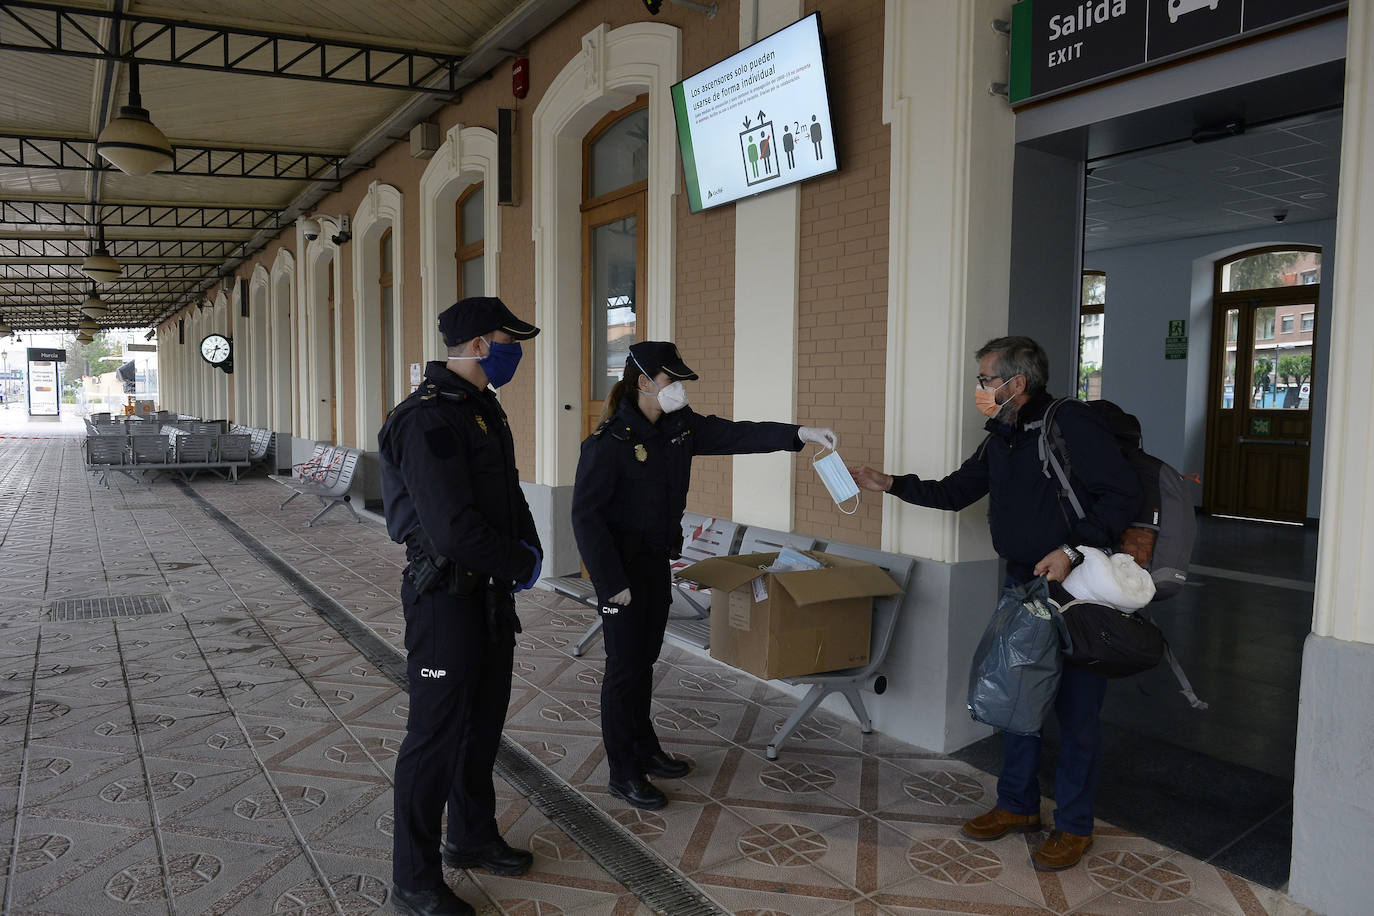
{"points": [[1017, 664]]}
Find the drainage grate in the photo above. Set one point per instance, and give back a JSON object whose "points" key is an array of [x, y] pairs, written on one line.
{"points": [[118, 606]]}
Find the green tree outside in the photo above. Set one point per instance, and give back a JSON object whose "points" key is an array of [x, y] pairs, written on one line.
{"points": [[1263, 271], [87, 359]]}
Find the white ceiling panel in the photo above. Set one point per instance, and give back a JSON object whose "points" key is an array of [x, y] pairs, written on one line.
{"points": [[1204, 189]]}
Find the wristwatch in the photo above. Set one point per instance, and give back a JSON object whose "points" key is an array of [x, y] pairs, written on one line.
{"points": [[1075, 556]]}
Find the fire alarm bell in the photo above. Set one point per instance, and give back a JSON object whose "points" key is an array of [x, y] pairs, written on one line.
{"points": [[520, 77]]}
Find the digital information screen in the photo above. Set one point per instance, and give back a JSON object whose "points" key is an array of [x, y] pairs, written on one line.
{"points": [[758, 120], [43, 400]]}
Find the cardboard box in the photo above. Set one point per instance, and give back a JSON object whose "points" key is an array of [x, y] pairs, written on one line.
{"points": [[788, 624]]}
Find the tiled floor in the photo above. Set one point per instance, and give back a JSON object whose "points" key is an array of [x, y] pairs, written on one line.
{"points": [[234, 754]]}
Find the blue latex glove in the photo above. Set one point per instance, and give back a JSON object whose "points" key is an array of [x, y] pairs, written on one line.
{"points": [[538, 565]]}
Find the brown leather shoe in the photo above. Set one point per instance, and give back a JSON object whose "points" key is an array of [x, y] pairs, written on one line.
{"points": [[1060, 851], [999, 822]]}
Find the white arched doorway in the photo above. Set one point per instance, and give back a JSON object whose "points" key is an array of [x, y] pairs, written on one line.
{"points": [[321, 283], [257, 358], [280, 375], [378, 270], [467, 156], [615, 66]]}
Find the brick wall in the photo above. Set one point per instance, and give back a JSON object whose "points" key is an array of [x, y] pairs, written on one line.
{"points": [[842, 339]]}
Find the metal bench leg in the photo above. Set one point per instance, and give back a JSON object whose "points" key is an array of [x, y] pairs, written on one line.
{"points": [[348, 501], [805, 707], [288, 499], [702, 611], [592, 632], [856, 702], [311, 523]]}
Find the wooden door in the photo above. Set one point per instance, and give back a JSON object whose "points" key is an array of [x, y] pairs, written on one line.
{"points": [[1259, 414]]}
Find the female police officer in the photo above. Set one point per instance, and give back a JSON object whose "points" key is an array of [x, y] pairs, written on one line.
{"points": [[630, 493]]}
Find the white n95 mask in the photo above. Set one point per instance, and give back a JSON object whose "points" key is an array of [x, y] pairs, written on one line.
{"points": [[837, 480]]}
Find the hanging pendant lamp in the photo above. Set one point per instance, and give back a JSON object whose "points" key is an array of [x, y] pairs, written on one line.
{"points": [[94, 306], [99, 266], [88, 325], [131, 142]]}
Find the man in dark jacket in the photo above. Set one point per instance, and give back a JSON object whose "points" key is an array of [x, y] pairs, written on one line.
{"points": [[1034, 532], [453, 497]]}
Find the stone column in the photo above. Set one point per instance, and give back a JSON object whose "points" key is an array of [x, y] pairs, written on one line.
{"points": [[952, 157], [767, 258], [1333, 790]]}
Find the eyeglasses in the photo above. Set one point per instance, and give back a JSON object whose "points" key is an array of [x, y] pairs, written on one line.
{"points": [[984, 379]]}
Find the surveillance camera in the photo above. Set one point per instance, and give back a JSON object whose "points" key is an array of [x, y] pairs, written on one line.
{"points": [[344, 233], [310, 228], [1280, 215]]}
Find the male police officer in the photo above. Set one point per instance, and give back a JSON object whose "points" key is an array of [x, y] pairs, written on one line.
{"points": [[453, 497]]}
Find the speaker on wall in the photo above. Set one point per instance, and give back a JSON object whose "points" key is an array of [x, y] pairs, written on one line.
{"points": [[243, 295], [507, 165], [181, 330]]}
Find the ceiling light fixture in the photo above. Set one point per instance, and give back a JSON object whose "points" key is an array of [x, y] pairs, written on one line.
{"points": [[99, 266], [131, 142], [88, 325], [94, 307]]}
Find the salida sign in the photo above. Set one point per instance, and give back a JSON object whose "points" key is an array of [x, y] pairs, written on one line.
{"points": [[1059, 45]]}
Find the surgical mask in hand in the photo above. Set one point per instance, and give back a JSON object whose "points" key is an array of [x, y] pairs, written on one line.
{"points": [[986, 401], [837, 480]]}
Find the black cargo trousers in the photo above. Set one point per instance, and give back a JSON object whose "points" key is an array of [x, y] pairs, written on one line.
{"points": [[634, 636], [459, 691]]}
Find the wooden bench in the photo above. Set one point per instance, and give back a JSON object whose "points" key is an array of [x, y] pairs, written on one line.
{"points": [[327, 474]]}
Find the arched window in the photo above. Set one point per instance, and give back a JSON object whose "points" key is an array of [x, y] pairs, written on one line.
{"points": [[471, 239], [615, 163], [388, 335]]}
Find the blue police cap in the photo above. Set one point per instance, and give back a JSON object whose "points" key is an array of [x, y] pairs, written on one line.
{"points": [[655, 356], [478, 315]]}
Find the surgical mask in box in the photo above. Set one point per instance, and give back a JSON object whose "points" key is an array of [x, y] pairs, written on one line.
{"points": [[790, 560]]}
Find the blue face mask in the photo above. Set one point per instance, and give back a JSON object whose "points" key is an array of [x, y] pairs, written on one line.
{"points": [[500, 362]]}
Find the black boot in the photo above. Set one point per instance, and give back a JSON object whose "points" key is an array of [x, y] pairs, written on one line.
{"points": [[665, 765], [435, 901], [638, 792], [496, 856]]}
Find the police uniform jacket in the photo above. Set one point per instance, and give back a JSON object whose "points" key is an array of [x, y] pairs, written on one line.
{"points": [[1026, 514], [448, 465], [633, 475]]}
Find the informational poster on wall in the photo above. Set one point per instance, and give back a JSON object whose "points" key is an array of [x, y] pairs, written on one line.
{"points": [[758, 120], [44, 385]]}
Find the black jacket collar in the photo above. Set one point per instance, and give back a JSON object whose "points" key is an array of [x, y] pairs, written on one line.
{"points": [[438, 372], [1029, 415]]}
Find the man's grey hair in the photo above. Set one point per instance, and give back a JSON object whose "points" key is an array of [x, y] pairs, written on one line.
{"points": [[1019, 356]]}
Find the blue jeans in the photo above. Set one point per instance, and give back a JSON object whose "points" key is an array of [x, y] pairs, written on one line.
{"points": [[1078, 706]]}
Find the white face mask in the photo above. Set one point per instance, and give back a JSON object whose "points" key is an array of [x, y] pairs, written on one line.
{"points": [[837, 480], [671, 397]]}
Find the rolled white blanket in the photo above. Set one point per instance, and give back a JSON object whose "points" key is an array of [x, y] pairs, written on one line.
{"points": [[1113, 579]]}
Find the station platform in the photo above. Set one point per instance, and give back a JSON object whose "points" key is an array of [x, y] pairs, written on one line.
{"points": [[199, 713]]}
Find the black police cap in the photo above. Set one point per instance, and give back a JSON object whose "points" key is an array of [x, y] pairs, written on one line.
{"points": [[479, 315], [655, 356]]}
